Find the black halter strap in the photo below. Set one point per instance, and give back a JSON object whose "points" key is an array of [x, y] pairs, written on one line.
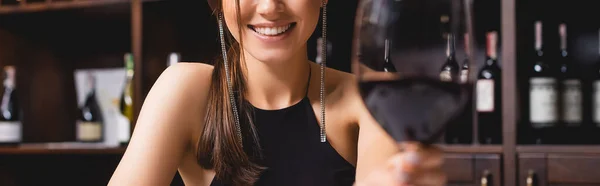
{"points": [[309, 76]]}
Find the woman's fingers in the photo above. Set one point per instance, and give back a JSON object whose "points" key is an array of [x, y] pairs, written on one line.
{"points": [[381, 177], [416, 165], [422, 165], [429, 177], [424, 157]]}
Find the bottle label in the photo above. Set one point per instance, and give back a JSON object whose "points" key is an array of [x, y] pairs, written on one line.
{"points": [[572, 102], [10, 131], [597, 102], [89, 131], [464, 74], [542, 102], [485, 95], [445, 76]]}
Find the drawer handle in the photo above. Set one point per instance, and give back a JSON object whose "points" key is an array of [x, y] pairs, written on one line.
{"points": [[530, 175], [485, 178]]}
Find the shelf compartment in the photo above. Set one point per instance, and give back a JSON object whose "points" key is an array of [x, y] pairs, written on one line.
{"points": [[61, 148], [558, 149], [60, 5], [471, 148], [559, 168]]}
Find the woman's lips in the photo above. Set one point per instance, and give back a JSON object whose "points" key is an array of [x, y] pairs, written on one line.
{"points": [[272, 32]]}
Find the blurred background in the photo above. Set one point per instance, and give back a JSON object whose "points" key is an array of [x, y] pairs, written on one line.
{"points": [[75, 73]]}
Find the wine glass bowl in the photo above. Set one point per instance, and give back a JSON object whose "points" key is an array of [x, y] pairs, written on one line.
{"points": [[405, 56]]}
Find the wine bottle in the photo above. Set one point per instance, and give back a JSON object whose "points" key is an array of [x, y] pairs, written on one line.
{"points": [[90, 127], [571, 106], [388, 66], [126, 102], [596, 95], [11, 127], [464, 70], [489, 95], [463, 130], [457, 133], [543, 112], [450, 68], [319, 48], [173, 58]]}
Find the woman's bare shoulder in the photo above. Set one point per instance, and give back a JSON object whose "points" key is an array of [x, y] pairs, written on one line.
{"points": [[341, 84], [185, 80], [187, 84], [342, 92], [166, 127], [181, 95], [188, 72]]}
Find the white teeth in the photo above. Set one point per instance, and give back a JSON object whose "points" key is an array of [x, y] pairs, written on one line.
{"points": [[270, 31]]}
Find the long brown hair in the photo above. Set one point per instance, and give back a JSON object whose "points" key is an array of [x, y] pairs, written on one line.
{"points": [[218, 145]]}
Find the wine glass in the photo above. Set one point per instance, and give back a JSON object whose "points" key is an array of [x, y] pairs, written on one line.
{"points": [[405, 56]]}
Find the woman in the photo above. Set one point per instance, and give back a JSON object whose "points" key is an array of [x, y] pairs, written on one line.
{"points": [[272, 133]]}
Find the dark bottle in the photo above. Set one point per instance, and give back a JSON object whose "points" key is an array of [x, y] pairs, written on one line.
{"points": [[462, 132], [459, 132], [570, 90], [596, 98], [464, 70], [11, 127], [543, 102], [449, 72], [388, 66], [90, 127], [489, 95]]}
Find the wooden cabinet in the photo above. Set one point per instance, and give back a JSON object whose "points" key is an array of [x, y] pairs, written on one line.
{"points": [[473, 169], [34, 38], [553, 169]]}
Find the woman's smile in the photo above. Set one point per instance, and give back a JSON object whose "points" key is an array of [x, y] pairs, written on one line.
{"points": [[272, 32]]}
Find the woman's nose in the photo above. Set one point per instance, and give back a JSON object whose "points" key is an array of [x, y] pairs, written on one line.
{"points": [[270, 9]]}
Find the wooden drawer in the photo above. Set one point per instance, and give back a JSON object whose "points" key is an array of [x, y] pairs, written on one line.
{"points": [[469, 169], [557, 169]]}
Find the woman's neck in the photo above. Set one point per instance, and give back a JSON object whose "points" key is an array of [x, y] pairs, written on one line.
{"points": [[276, 85]]}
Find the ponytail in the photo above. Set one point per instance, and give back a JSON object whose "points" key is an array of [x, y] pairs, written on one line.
{"points": [[218, 146]]}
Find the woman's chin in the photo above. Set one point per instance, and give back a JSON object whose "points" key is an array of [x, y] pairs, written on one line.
{"points": [[275, 61], [273, 57]]}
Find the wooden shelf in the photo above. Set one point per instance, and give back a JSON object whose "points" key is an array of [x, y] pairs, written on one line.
{"points": [[60, 148], [471, 148], [49, 5], [558, 149]]}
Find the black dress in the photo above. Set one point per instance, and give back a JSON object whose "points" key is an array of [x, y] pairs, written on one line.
{"points": [[292, 151]]}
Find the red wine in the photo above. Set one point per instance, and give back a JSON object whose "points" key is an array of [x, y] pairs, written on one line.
{"points": [[11, 127], [543, 102], [415, 109], [489, 96]]}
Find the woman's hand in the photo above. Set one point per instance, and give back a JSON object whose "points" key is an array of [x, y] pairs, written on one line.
{"points": [[416, 165]]}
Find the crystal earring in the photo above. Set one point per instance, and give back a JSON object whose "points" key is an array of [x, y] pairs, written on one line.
{"points": [[323, 56], [227, 75]]}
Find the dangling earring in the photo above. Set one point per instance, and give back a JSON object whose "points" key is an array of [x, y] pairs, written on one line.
{"points": [[323, 61], [227, 75]]}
